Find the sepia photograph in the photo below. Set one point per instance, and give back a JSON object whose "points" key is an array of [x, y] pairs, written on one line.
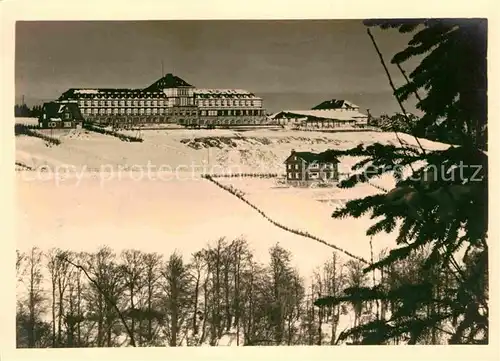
{"points": [[301, 182]]}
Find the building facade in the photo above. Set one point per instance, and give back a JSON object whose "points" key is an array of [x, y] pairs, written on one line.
{"points": [[168, 100], [229, 107], [303, 168]]}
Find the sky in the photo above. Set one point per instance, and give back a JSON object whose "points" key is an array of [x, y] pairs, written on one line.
{"points": [[293, 64]]}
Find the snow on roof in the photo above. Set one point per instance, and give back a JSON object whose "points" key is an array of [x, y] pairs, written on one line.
{"points": [[335, 114], [87, 91], [350, 105], [225, 93], [336, 104], [220, 91]]}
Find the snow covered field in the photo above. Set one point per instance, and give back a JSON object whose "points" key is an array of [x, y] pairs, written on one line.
{"points": [[149, 215], [217, 150], [143, 210], [311, 210], [26, 121], [124, 195]]}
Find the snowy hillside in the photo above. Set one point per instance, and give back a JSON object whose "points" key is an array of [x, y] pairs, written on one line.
{"points": [[150, 215], [213, 150], [125, 196], [139, 205]]}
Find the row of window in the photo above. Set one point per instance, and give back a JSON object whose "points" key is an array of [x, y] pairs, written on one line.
{"points": [[157, 119], [310, 166], [177, 112], [184, 112], [115, 103], [294, 176], [222, 113], [229, 102], [311, 175], [184, 101], [162, 103], [135, 111], [226, 121], [183, 91]]}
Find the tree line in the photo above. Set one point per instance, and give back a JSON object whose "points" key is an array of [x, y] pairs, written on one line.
{"points": [[23, 111], [405, 123], [112, 299]]}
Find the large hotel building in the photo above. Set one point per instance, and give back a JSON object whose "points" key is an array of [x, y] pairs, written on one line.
{"points": [[168, 100]]}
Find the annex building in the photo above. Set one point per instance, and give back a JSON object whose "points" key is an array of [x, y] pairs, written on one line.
{"points": [[334, 113]]}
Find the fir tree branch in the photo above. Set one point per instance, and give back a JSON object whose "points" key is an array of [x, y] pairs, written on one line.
{"points": [[418, 98], [392, 86]]}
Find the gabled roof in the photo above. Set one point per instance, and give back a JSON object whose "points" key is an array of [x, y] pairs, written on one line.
{"points": [[168, 81], [335, 104], [327, 156], [56, 109]]}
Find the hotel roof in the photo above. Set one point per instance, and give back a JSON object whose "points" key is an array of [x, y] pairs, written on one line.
{"points": [[155, 90], [168, 81], [226, 93], [335, 104], [74, 93], [220, 91]]}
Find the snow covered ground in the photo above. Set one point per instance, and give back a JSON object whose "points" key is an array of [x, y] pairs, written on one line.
{"points": [[310, 209], [139, 208], [149, 215], [151, 196], [26, 121], [260, 150]]}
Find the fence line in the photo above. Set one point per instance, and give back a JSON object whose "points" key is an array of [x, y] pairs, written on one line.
{"points": [[123, 137], [334, 130], [244, 175], [378, 187], [240, 195], [23, 167], [32, 131]]}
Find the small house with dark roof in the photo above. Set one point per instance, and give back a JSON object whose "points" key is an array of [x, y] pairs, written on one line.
{"points": [[60, 115], [307, 167]]}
